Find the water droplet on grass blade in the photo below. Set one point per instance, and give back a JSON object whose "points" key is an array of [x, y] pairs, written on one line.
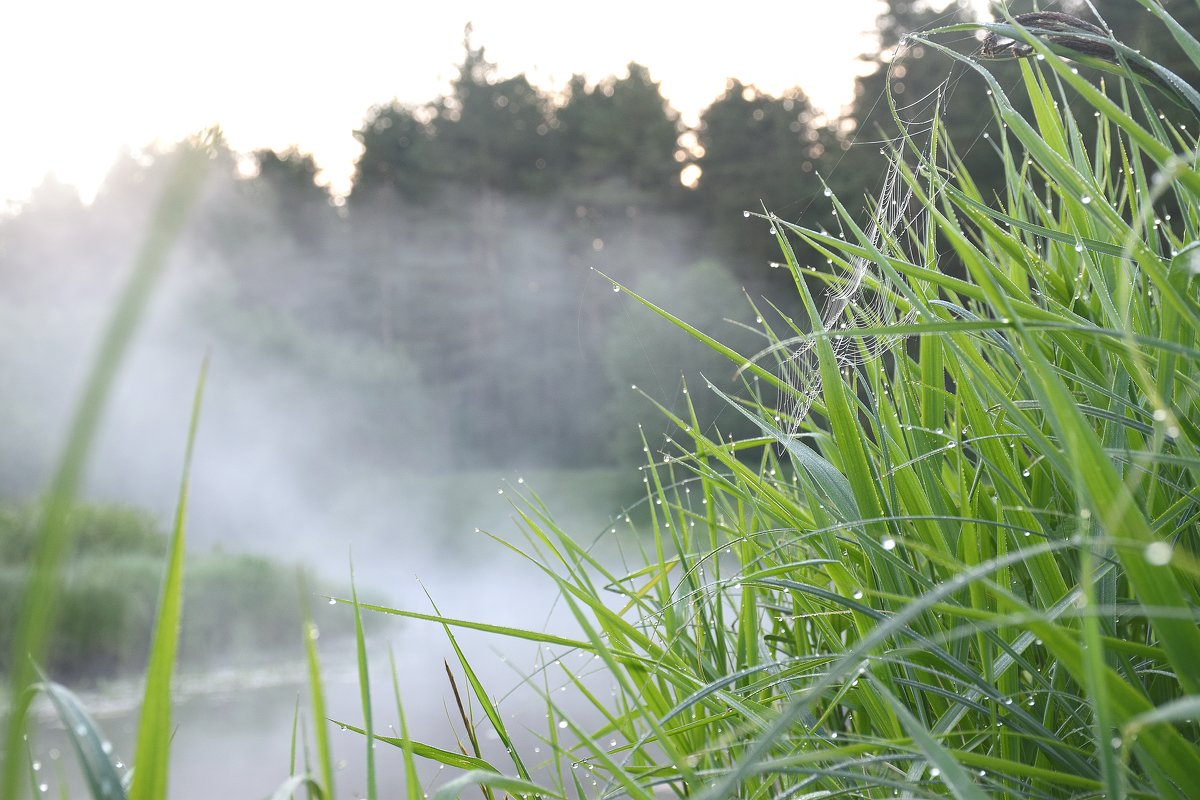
{"points": [[889, 544], [1158, 554], [1086, 199]]}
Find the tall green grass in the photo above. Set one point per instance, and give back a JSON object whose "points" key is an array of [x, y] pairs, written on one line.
{"points": [[961, 557]]}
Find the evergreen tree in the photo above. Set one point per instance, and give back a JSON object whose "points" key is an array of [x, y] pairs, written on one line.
{"points": [[621, 128], [757, 150], [396, 155]]}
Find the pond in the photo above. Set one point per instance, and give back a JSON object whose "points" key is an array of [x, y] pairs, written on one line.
{"points": [[233, 728]]}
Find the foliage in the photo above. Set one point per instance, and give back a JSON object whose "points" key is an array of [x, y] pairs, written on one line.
{"points": [[969, 567], [758, 151], [239, 608], [641, 359]]}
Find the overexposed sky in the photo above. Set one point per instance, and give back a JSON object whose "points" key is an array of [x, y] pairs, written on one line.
{"points": [[81, 80]]}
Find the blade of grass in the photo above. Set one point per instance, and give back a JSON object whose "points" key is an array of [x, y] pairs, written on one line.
{"points": [[39, 600], [152, 753]]}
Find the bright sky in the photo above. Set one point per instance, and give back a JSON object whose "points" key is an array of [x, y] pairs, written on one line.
{"points": [[81, 80]]}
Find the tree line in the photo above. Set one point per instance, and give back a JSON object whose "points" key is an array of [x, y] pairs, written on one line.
{"points": [[444, 311]]}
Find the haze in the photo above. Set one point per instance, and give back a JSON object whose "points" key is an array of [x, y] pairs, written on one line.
{"points": [[84, 80]]}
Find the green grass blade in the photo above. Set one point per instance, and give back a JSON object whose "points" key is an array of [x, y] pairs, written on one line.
{"points": [[477, 778], [447, 757], [412, 783], [39, 600], [364, 683], [152, 753], [89, 743], [317, 694], [942, 760]]}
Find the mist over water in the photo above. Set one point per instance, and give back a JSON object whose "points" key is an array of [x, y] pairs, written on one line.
{"points": [[377, 394], [348, 374]]}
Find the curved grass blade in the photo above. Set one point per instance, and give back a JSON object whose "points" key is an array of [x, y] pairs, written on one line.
{"points": [[514, 786], [288, 788], [102, 777], [447, 757]]}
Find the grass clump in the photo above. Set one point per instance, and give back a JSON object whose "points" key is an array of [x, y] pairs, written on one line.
{"points": [[960, 556]]}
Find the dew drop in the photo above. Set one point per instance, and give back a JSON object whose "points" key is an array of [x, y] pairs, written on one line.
{"points": [[745, 213], [333, 601], [888, 544], [1158, 554], [828, 192], [858, 595], [934, 772], [616, 287], [1086, 199], [562, 724]]}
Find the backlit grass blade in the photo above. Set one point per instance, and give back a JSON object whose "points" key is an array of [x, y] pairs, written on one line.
{"points": [[364, 683], [32, 620], [152, 754], [412, 783], [316, 687]]}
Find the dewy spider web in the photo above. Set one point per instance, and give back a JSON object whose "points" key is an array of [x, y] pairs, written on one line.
{"points": [[860, 299]]}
